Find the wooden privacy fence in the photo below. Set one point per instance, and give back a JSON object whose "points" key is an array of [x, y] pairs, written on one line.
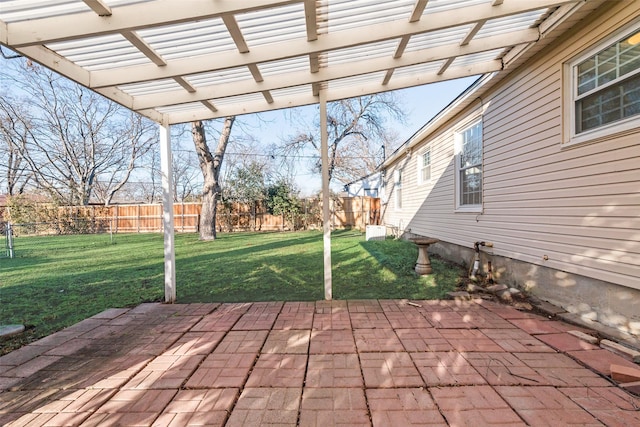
{"points": [[346, 212]]}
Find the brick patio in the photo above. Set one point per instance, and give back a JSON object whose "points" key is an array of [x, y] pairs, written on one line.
{"points": [[380, 363]]}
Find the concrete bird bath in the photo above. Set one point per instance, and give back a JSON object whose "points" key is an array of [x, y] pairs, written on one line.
{"points": [[423, 265]]}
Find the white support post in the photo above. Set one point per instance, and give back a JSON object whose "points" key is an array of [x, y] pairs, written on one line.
{"points": [[167, 215], [326, 225]]}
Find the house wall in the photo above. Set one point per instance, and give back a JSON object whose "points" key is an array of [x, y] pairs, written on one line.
{"points": [[564, 220], [368, 187]]}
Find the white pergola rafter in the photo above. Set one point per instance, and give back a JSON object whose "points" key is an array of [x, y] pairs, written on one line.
{"points": [[200, 59], [338, 71], [99, 7], [328, 42], [132, 17]]}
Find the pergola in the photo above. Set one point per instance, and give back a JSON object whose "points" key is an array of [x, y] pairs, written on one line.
{"points": [[176, 61]]}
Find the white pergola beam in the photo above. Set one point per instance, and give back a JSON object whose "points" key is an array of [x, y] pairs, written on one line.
{"points": [[57, 63], [129, 18], [417, 80], [336, 72], [331, 41], [333, 95]]}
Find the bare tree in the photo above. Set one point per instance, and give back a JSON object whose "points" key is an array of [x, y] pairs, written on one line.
{"points": [[358, 135], [13, 133], [210, 165], [73, 138]]}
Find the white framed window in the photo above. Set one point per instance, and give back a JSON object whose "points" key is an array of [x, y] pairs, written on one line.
{"points": [[424, 166], [397, 188], [468, 159], [605, 87]]}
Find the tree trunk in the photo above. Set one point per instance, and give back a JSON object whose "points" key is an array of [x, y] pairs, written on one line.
{"points": [[210, 166], [209, 211]]}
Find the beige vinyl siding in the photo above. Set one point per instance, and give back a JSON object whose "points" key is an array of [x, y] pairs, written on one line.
{"points": [[581, 204], [578, 205]]}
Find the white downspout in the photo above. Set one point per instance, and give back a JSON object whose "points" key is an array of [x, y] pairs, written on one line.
{"points": [[167, 214]]}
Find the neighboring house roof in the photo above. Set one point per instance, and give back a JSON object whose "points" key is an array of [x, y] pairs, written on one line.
{"points": [[362, 178], [177, 64]]}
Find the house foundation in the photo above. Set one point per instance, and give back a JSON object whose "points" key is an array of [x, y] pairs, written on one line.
{"points": [[589, 300]]}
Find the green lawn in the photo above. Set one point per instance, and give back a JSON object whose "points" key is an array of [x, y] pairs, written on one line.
{"points": [[56, 281]]}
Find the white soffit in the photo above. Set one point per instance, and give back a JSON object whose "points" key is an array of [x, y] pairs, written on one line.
{"points": [[181, 60]]}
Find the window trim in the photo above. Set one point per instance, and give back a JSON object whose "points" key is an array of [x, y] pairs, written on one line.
{"points": [[457, 149], [420, 165], [569, 77], [397, 185]]}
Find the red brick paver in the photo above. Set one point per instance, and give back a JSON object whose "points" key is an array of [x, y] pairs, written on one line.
{"points": [[377, 340], [332, 341], [222, 370], [278, 370], [287, 341], [545, 406], [466, 340], [222, 319], [260, 316], [566, 342], [382, 370], [198, 408], [423, 339], [334, 370], [324, 363], [475, 406], [610, 405], [601, 360], [166, 371], [325, 407], [242, 342], [446, 368], [517, 340], [369, 320], [403, 407], [295, 315], [266, 407], [538, 325]]}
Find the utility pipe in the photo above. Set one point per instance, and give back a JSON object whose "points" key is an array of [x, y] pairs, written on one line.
{"points": [[476, 259]]}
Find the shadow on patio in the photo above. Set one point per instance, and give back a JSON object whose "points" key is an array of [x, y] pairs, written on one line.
{"points": [[356, 362]]}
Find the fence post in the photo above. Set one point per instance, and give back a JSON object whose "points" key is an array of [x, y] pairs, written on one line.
{"points": [[10, 239]]}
